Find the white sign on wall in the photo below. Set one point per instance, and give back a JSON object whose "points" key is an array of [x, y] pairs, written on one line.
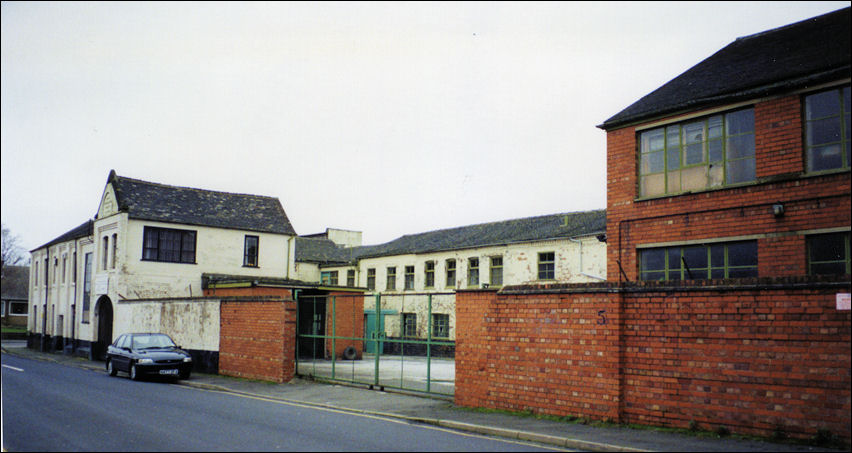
{"points": [[101, 285], [844, 301]]}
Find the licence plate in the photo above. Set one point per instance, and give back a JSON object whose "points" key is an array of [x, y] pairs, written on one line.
{"points": [[168, 371]]}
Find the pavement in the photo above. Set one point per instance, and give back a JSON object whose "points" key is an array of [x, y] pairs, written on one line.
{"points": [[441, 412]]}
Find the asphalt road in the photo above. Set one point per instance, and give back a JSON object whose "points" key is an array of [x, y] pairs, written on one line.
{"points": [[52, 407]]}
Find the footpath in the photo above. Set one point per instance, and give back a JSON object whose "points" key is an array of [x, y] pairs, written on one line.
{"points": [[442, 412]]}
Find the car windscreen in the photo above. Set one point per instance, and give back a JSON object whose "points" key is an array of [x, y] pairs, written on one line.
{"points": [[152, 341]]}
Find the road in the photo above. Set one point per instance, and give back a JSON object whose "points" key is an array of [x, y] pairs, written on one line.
{"points": [[53, 407]]}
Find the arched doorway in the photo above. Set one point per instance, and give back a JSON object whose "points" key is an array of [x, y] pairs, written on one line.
{"points": [[104, 312]]}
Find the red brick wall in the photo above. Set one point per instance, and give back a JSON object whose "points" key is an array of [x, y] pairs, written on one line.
{"points": [[346, 319], [257, 338], [811, 202], [774, 354]]}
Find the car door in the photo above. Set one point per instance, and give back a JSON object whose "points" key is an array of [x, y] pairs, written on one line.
{"points": [[122, 353]]}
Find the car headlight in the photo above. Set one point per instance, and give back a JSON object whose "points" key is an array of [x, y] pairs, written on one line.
{"points": [[187, 359], [145, 361]]}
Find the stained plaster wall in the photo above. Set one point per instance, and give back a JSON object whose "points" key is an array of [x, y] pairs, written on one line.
{"points": [[192, 323]]}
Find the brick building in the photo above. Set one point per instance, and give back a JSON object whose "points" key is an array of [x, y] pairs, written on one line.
{"points": [[728, 262]]}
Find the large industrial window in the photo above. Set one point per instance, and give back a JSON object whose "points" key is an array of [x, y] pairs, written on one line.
{"points": [[828, 254], [699, 154], [547, 266], [250, 251], [699, 262], [168, 245], [827, 130]]}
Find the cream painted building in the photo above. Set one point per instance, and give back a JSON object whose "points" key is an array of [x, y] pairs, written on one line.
{"points": [[560, 248], [150, 242]]}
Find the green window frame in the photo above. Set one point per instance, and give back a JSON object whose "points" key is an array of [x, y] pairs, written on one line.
{"points": [[699, 261], [409, 277], [473, 272], [350, 278], [409, 324], [429, 274], [328, 278], [391, 279], [547, 266], [371, 278], [496, 271], [440, 325], [827, 130], [451, 274], [698, 154], [828, 254]]}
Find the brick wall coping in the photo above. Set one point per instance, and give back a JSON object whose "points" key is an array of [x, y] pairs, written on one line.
{"points": [[210, 299], [745, 284]]}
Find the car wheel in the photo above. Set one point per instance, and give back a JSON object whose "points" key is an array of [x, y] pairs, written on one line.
{"points": [[184, 375], [111, 369], [133, 373]]}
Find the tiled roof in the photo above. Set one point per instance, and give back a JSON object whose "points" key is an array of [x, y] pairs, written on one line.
{"points": [[81, 231], [795, 56], [556, 226], [184, 205]]}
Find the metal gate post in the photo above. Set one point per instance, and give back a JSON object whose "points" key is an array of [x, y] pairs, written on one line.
{"points": [[429, 347], [333, 333], [378, 336]]}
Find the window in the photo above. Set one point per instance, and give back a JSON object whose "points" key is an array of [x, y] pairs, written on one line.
{"points": [[440, 325], [828, 254], [547, 266], [328, 278], [409, 277], [87, 286], [114, 249], [371, 278], [451, 273], [74, 269], [168, 245], [350, 278], [699, 262], [64, 267], [473, 272], [409, 324], [827, 129], [391, 283], [35, 274], [429, 277], [496, 277], [250, 251], [18, 309], [697, 154], [106, 253]]}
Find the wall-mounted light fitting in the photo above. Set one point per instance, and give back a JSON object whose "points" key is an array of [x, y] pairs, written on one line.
{"points": [[778, 210]]}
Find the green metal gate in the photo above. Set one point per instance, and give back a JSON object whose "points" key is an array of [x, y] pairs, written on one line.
{"points": [[381, 340]]}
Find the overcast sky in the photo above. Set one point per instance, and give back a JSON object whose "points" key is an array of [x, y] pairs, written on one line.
{"points": [[386, 118]]}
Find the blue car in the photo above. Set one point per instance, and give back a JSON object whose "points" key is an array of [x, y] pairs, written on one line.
{"points": [[147, 354]]}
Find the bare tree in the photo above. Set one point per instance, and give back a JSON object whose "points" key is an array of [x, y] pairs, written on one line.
{"points": [[13, 254]]}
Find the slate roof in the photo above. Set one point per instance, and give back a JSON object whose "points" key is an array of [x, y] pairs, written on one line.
{"points": [[555, 226], [84, 230], [144, 200], [795, 56]]}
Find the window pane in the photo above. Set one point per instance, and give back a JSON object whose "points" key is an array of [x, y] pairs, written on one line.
{"points": [[652, 185], [742, 170], [714, 127], [714, 151], [652, 163], [827, 247], [717, 255], [652, 140], [825, 157], [695, 256], [740, 146], [742, 254], [694, 154], [693, 133], [653, 276], [673, 158], [741, 272], [821, 105], [824, 131], [828, 268], [673, 182], [693, 178], [740, 122], [653, 259]]}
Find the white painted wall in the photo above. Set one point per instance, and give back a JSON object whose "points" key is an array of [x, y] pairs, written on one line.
{"points": [[192, 324]]}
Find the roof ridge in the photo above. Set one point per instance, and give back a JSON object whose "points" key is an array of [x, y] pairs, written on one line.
{"points": [[558, 214], [782, 27], [172, 186]]}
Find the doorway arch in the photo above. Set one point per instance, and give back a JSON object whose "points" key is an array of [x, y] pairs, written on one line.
{"points": [[105, 317]]}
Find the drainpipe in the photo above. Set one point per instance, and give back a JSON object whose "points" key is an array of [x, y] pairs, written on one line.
{"points": [[581, 261], [289, 261], [46, 297]]}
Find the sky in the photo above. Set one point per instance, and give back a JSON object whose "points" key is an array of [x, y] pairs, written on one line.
{"points": [[386, 118]]}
